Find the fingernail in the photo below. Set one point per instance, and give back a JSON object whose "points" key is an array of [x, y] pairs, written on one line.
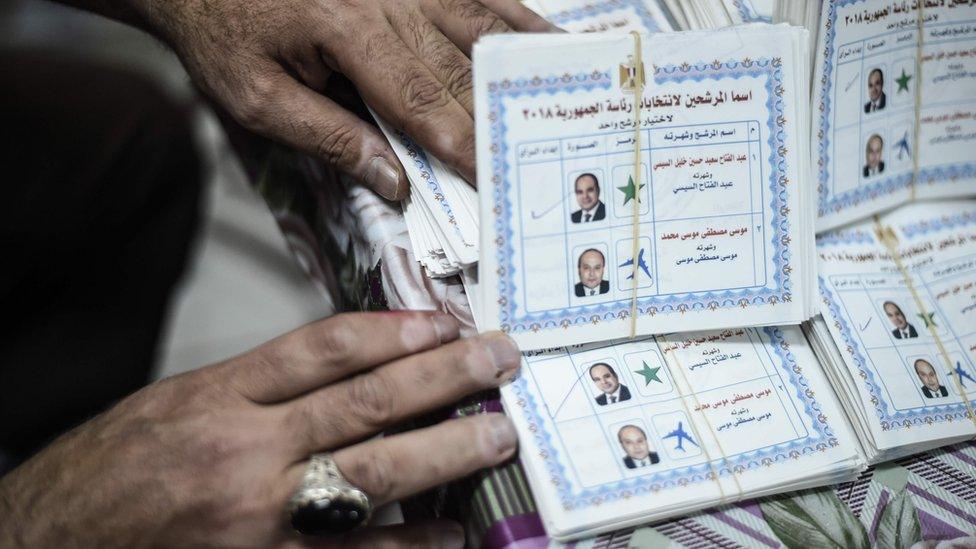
{"points": [[445, 326], [453, 537], [504, 354], [503, 433], [383, 178]]}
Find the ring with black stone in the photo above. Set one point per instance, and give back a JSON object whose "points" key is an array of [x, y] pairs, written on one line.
{"points": [[325, 503]]}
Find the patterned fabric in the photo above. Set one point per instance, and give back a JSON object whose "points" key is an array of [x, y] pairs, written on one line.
{"points": [[354, 246]]}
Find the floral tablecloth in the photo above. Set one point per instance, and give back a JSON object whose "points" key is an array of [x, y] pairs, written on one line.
{"points": [[355, 247]]}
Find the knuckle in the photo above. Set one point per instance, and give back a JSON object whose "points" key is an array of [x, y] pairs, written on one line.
{"points": [[217, 449], [421, 93], [315, 427], [459, 79], [373, 470], [481, 23], [456, 145], [373, 399], [335, 343], [339, 145], [471, 356], [254, 105]]}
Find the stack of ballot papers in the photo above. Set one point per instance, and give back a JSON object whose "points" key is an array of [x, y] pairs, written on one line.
{"points": [[723, 196], [712, 14], [620, 432], [894, 108], [898, 334], [761, 359]]}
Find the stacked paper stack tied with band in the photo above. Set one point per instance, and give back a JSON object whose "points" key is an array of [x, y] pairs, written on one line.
{"points": [[898, 332], [723, 151]]}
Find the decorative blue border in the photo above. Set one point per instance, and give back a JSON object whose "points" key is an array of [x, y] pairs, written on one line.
{"points": [[704, 472], [945, 222], [649, 305], [884, 186], [843, 237], [748, 12], [591, 10], [419, 157], [890, 421]]}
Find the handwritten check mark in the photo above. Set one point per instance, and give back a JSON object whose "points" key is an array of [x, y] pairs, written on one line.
{"points": [[866, 324], [851, 83]]}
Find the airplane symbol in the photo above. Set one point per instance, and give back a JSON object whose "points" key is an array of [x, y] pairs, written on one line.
{"points": [[963, 374], [682, 436], [902, 146], [640, 263]]}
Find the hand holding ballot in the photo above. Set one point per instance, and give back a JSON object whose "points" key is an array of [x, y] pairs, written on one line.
{"points": [[663, 187]]}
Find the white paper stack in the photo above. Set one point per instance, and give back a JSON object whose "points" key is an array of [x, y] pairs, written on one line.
{"points": [[883, 331], [711, 14], [725, 218], [441, 212]]}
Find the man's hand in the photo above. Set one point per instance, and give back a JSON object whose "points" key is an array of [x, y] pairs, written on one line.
{"points": [[211, 457], [268, 62]]}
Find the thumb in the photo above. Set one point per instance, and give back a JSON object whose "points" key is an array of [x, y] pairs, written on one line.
{"points": [[300, 117]]}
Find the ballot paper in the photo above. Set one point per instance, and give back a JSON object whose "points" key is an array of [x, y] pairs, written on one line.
{"points": [[886, 324], [622, 433], [893, 121], [724, 201]]}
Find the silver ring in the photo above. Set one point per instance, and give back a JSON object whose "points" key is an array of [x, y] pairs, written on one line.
{"points": [[326, 503]]}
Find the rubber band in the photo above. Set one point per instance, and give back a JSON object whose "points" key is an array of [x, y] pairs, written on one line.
{"points": [[638, 99], [918, 102], [677, 367]]}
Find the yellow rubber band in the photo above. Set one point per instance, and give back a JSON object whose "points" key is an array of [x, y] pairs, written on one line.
{"points": [[675, 366], [638, 99]]}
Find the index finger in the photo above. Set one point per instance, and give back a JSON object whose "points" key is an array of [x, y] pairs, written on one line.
{"points": [[326, 351]]}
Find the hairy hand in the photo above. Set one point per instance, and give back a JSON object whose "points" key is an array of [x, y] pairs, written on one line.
{"points": [[210, 458], [268, 63]]}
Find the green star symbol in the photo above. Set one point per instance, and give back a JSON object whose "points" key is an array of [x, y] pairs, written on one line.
{"points": [[927, 319], [629, 190], [650, 374], [903, 81]]}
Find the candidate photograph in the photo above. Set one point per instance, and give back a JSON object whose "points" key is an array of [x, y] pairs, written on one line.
{"points": [[926, 373], [606, 380], [591, 265], [902, 328], [587, 190], [873, 161], [876, 94], [634, 442]]}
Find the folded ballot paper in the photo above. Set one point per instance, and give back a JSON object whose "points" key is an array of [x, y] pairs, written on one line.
{"points": [[898, 333]]}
